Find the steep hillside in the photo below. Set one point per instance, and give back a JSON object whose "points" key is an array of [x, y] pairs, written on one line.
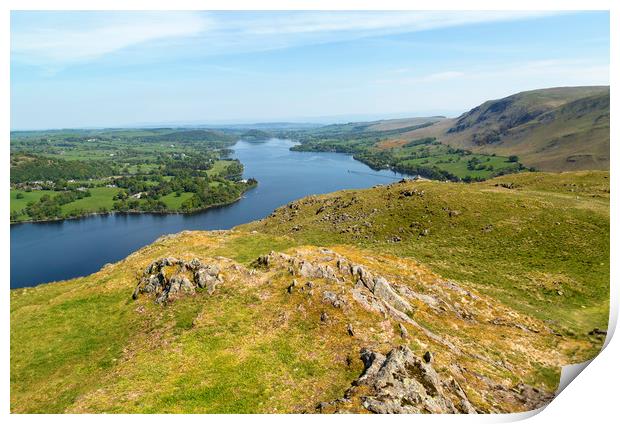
{"points": [[555, 129], [411, 297]]}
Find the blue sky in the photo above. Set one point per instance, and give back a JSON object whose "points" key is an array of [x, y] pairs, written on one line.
{"points": [[92, 69]]}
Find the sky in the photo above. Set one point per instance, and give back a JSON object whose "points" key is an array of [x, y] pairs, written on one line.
{"points": [[113, 69]]}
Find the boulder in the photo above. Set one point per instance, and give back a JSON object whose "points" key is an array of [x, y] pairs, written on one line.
{"points": [[401, 383], [207, 277], [307, 269], [333, 299], [168, 279]]}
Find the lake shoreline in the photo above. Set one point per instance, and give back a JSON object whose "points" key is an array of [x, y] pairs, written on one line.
{"points": [[135, 212], [74, 247]]}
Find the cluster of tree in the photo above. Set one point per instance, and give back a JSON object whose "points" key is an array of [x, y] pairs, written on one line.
{"points": [[233, 171], [476, 164], [206, 193], [184, 136], [422, 141], [256, 135], [37, 168], [144, 205], [216, 195], [333, 145]]}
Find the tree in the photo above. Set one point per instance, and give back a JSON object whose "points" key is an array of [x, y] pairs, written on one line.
{"points": [[513, 158]]}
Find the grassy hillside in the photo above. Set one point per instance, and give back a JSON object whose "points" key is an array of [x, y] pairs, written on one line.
{"points": [[521, 238], [386, 145], [555, 129], [501, 281]]}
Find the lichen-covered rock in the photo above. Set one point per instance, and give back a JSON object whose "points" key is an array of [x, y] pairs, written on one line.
{"points": [[310, 270], [168, 279], [207, 277], [333, 299], [401, 383], [384, 291]]}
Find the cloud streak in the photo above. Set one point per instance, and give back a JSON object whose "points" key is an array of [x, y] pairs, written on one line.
{"points": [[77, 40], [60, 39]]}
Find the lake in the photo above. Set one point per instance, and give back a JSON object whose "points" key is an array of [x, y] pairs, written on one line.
{"points": [[52, 251]]}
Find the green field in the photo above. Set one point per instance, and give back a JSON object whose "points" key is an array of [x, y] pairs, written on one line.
{"points": [[218, 167], [101, 197], [457, 165], [28, 196], [174, 202], [148, 166]]}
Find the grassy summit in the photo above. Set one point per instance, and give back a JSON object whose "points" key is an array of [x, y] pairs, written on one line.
{"points": [[502, 282]]}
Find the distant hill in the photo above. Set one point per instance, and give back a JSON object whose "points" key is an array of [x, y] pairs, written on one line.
{"points": [[554, 129], [190, 135], [256, 135]]}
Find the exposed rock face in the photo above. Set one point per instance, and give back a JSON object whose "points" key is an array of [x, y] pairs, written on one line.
{"points": [[401, 383], [170, 278], [309, 270]]}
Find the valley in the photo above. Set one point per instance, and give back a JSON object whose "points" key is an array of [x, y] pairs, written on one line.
{"points": [[58, 175], [308, 269]]}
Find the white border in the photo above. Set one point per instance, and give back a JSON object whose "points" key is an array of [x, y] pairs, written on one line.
{"points": [[591, 398]]}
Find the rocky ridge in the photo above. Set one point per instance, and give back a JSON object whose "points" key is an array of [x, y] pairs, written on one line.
{"points": [[351, 297]]}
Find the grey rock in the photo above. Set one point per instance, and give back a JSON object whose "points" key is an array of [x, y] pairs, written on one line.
{"points": [[384, 291], [333, 299], [401, 383], [403, 331], [291, 286], [309, 270], [186, 277], [343, 266]]}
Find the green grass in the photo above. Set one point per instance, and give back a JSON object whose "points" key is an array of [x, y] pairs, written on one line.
{"points": [[218, 167], [173, 202], [85, 346], [50, 369], [28, 196], [457, 165], [521, 246], [101, 197]]}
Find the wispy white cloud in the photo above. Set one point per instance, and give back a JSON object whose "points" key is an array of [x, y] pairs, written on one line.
{"points": [[60, 38], [78, 40], [410, 21]]}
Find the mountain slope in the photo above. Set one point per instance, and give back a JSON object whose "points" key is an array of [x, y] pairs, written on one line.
{"points": [[555, 129], [470, 273]]}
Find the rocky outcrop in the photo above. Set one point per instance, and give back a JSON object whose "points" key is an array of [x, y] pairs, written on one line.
{"points": [[380, 287], [168, 279], [401, 383]]}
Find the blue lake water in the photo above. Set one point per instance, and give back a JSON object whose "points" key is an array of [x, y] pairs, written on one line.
{"points": [[52, 251]]}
